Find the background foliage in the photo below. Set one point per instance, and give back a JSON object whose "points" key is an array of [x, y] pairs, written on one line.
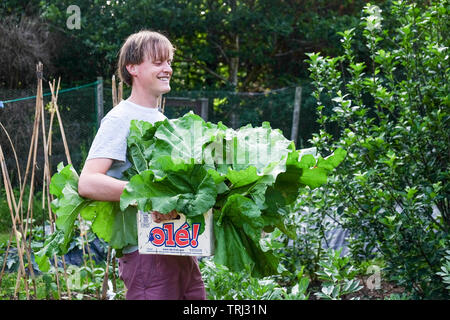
{"points": [[393, 114], [375, 82]]}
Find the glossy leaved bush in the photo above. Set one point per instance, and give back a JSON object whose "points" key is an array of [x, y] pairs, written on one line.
{"points": [[247, 176], [391, 114]]}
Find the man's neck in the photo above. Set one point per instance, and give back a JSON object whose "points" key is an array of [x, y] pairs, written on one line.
{"points": [[143, 98]]}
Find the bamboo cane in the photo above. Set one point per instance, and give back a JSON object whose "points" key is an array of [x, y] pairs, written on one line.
{"points": [[19, 214], [53, 108], [18, 208], [40, 107], [18, 218], [61, 127], [83, 235], [14, 153], [9, 199], [6, 257], [106, 276], [120, 93], [114, 89], [114, 272], [30, 155], [69, 161], [38, 114], [47, 147]]}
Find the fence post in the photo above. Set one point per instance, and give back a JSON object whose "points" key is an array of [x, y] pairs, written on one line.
{"points": [[99, 100], [204, 110], [296, 114]]}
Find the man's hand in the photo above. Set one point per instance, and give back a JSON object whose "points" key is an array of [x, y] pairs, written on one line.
{"points": [[158, 217]]}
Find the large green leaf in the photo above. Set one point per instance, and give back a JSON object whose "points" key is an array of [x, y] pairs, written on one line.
{"points": [[141, 143], [67, 203], [317, 175], [189, 189], [249, 176], [109, 223], [236, 250], [70, 206], [53, 245], [65, 175], [185, 138], [244, 214], [118, 228]]}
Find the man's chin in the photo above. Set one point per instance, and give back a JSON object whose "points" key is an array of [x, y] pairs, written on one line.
{"points": [[166, 90]]}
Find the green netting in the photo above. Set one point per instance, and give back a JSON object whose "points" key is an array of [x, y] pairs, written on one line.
{"points": [[77, 109], [239, 109], [79, 114]]}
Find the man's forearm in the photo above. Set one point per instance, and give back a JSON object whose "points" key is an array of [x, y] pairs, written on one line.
{"points": [[99, 186]]}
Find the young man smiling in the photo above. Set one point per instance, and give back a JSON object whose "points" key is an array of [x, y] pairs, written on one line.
{"points": [[144, 64]]}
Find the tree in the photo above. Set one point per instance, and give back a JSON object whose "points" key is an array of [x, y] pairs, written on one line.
{"points": [[24, 41], [221, 43], [392, 117]]}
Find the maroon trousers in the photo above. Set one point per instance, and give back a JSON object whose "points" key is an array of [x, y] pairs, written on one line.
{"points": [[161, 277]]}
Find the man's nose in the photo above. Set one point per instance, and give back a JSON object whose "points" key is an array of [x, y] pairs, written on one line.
{"points": [[167, 68]]}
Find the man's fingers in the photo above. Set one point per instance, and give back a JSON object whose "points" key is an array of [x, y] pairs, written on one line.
{"points": [[158, 217], [173, 214]]}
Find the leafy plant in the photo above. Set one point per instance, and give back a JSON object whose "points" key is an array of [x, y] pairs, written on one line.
{"points": [[109, 223], [390, 112], [245, 191], [192, 166], [445, 273], [299, 290], [397, 296], [222, 284], [337, 276], [314, 217]]}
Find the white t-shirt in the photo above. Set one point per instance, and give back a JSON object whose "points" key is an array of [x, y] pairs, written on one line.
{"points": [[111, 139]]}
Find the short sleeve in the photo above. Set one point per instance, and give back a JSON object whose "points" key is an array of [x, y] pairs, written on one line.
{"points": [[111, 139]]}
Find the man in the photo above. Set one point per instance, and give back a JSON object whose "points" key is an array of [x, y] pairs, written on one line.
{"points": [[144, 64]]}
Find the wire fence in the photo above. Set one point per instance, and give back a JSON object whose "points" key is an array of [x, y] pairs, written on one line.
{"points": [[79, 112]]}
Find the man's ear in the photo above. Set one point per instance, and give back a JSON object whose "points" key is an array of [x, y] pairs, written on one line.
{"points": [[131, 68]]}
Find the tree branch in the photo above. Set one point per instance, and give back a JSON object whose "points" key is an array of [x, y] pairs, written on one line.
{"points": [[215, 74]]}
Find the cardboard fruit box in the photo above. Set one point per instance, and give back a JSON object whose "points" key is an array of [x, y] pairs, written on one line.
{"points": [[175, 237]]}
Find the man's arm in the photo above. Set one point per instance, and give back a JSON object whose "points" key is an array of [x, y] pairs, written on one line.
{"points": [[96, 185]]}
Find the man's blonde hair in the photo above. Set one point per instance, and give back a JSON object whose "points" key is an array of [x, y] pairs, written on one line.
{"points": [[139, 46]]}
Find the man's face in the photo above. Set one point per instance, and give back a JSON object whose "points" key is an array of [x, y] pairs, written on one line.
{"points": [[154, 76]]}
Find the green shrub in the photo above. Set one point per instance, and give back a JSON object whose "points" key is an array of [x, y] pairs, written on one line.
{"points": [[445, 270], [221, 284], [392, 116], [313, 219], [337, 275]]}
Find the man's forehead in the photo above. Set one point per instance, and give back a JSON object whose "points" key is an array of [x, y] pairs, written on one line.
{"points": [[160, 55]]}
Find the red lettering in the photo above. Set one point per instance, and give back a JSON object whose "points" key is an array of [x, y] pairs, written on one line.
{"points": [[165, 235], [169, 228], [157, 236], [182, 237], [195, 230]]}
